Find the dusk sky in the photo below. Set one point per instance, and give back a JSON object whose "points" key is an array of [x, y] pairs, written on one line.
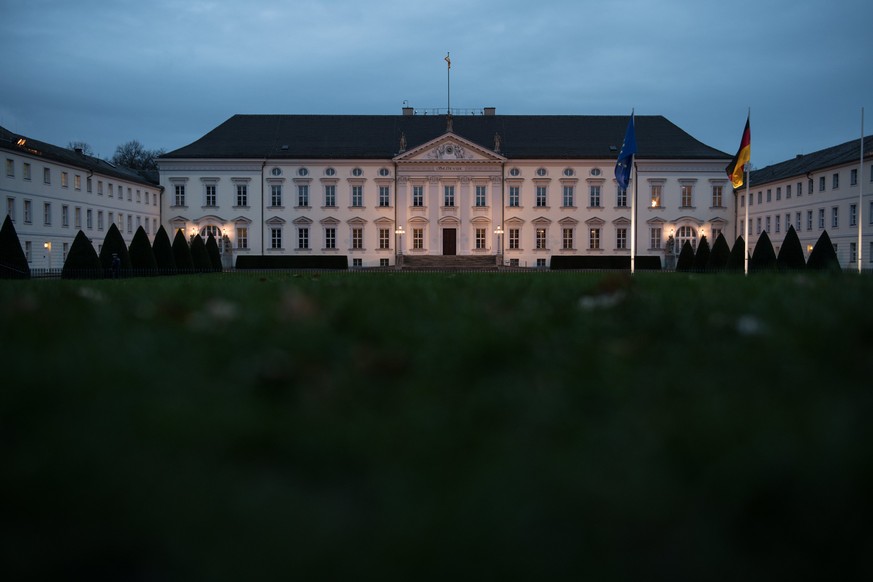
{"points": [[165, 73]]}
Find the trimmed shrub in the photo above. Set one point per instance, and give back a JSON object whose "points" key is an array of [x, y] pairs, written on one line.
{"points": [[13, 261], [163, 252], [113, 243], [289, 262], [182, 253], [701, 257], [823, 257], [763, 257], [602, 263], [82, 260], [199, 255], [142, 258], [737, 259], [685, 262], [718, 258], [213, 253], [791, 253]]}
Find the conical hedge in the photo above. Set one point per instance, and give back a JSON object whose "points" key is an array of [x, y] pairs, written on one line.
{"points": [[791, 253], [718, 258], [13, 261], [823, 257], [142, 258], [163, 251], [685, 262], [82, 260], [113, 243], [214, 253], [763, 257], [737, 259], [701, 257], [199, 255], [182, 253]]}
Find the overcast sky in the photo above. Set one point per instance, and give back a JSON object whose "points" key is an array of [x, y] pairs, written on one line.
{"points": [[167, 72]]}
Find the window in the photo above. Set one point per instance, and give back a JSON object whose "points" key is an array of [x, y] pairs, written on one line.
{"points": [[384, 172], [384, 262], [47, 213], [821, 218], [742, 201], [275, 238], [210, 195], [767, 225], [514, 172], [514, 238], [65, 180], [357, 262], [28, 250], [330, 195], [835, 217], [357, 196], [357, 172], [621, 197], [594, 196], [758, 225], [303, 238], [77, 217], [10, 168], [302, 172], [46, 176], [853, 252], [330, 237], [809, 220], [10, 208], [594, 239], [276, 195], [89, 219], [28, 212], [655, 239], [810, 186], [797, 224], [179, 198], [138, 196], [514, 198], [821, 184], [760, 200], [687, 234], [836, 182], [687, 200], [129, 194], [242, 195], [717, 192], [329, 172], [147, 197], [384, 238], [480, 238], [777, 224], [540, 238], [621, 238], [480, 196], [242, 237], [449, 196], [716, 232], [66, 249], [853, 215], [656, 196], [541, 196], [418, 238], [568, 196], [778, 194], [99, 187], [569, 171], [129, 224], [800, 188], [26, 171], [357, 238], [853, 178], [418, 196], [769, 195], [384, 196], [541, 263], [303, 194], [567, 238], [541, 172], [99, 220]]}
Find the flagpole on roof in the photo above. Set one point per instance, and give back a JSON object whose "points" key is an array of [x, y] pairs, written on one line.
{"points": [[748, 200], [860, 213], [449, 83]]}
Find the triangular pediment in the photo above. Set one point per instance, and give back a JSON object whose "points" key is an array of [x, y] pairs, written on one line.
{"points": [[449, 148]]}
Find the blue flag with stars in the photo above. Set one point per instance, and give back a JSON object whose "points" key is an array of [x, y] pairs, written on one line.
{"points": [[625, 156]]}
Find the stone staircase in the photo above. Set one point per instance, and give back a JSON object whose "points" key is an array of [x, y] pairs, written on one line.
{"points": [[449, 262]]}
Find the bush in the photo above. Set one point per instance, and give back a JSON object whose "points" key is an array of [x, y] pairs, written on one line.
{"points": [[737, 259], [13, 262], [791, 253], [163, 251], [142, 258], [823, 257], [685, 262], [199, 255], [82, 260], [182, 253], [213, 253], [609, 262], [113, 244], [701, 257], [288, 262], [718, 258], [763, 257]]}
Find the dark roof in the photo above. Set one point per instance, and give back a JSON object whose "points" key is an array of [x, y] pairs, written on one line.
{"points": [[845, 153], [40, 149], [378, 136]]}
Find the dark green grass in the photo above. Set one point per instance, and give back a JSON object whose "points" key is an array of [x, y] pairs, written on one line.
{"points": [[437, 426]]}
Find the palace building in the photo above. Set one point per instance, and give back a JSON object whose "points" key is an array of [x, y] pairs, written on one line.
{"points": [[520, 189]]}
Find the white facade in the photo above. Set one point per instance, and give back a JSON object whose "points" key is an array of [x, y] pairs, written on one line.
{"points": [[50, 197], [816, 197], [447, 196]]}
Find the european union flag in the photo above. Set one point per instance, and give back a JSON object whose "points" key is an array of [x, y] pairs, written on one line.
{"points": [[626, 155]]}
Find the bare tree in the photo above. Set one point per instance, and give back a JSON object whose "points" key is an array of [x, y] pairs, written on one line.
{"points": [[134, 155], [81, 145]]}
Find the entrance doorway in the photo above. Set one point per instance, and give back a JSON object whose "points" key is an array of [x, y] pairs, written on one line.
{"points": [[450, 241]]}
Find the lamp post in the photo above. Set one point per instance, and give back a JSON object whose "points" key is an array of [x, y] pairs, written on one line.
{"points": [[398, 257], [499, 256]]}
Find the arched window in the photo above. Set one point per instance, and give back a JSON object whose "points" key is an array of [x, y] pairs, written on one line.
{"points": [[210, 229], [686, 233]]}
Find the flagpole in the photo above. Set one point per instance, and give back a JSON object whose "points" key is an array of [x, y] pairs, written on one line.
{"points": [[859, 216], [634, 216], [746, 222], [449, 83]]}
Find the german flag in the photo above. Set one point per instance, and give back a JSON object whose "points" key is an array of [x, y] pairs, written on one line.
{"points": [[735, 168]]}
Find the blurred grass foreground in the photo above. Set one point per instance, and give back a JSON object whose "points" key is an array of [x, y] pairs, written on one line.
{"points": [[438, 426]]}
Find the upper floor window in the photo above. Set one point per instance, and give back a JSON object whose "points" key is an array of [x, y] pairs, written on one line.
{"points": [[302, 172], [594, 196], [179, 199], [686, 193], [656, 196], [384, 172], [449, 196], [514, 196], [329, 172], [10, 168], [569, 172], [46, 176], [717, 192], [480, 195], [418, 196], [514, 172], [357, 172], [210, 195], [384, 196], [836, 181], [303, 194], [541, 172], [541, 199]]}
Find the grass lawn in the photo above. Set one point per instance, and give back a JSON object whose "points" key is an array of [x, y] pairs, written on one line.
{"points": [[438, 426]]}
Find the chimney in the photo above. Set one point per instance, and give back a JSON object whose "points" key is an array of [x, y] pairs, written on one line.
{"points": [[408, 111], [490, 111], [78, 151]]}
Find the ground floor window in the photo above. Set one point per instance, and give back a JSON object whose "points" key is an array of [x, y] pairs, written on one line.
{"points": [[567, 238], [275, 238], [358, 238], [594, 239], [330, 237], [513, 238], [621, 238], [688, 234], [418, 238], [655, 242], [384, 238], [480, 238], [242, 237]]}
